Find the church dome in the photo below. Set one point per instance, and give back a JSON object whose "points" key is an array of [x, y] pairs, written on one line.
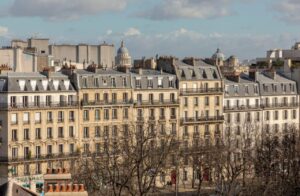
{"points": [[218, 55], [123, 50]]}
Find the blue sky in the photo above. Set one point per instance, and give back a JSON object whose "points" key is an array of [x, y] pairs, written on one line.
{"points": [[245, 28]]}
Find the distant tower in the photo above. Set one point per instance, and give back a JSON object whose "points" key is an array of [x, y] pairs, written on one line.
{"points": [[123, 58], [218, 58]]}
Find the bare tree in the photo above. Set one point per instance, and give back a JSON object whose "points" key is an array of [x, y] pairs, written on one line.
{"points": [[129, 163]]}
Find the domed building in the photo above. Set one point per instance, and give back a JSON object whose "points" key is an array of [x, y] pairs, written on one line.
{"points": [[123, 58], [218, 57]]}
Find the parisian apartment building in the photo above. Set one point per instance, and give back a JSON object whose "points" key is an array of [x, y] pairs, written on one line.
{"points": [[49, 118]]}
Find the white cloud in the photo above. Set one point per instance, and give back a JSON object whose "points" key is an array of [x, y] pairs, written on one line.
{"points": [[109, 32], [132, 32], [186, 42], [174, 9], [288, 10], [63, 9], [3, 31]]}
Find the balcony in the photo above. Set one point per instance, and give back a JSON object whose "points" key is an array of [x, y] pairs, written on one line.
{"points": [[280, 105], [34, 105], [156, 103], [242, 108], [39, 157], [103, 102], [202, 120], [196, 91]]}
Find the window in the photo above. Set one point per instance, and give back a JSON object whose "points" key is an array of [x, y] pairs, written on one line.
{"points": [[60, 148], [37, 151], [275, 115], [151, 98], [257, 116], [96, 82], [38, 134], [14, 119], [173, 129], [162, 113], [173, 113], [86, 132], [248, 117], [48, 100], [238, 118], [60, 117], [114, 114], [114, 130], [26, 169], [49, 133], [161, 97], [37, 117], [150, 83], [14, 135], [267, 115], [60, 132], [14, 152], [294, 114], [71, 148], [105, 97], [71, 131], [171, 83], [26, 152], [124, 80], [36, 100], [113, 82], [228, 118], [86, 115], [196, 101], [49, 117], [125, 113], [206, 101], [172, 97], [256, 102], [71, 116], [26, 134], [26, 118], [185, 131], [49, 149], [125, 97], [160, 83], [185, 101], [86, 148], [139, 98], [106, 114], [38, 168], [217, 101], [13, 101], [97, 97], [25, 101], [285, 114], [97, 114], [138, 83], [97, 148], [97, 131], [114, 97], [106, 132], [140, 113]]}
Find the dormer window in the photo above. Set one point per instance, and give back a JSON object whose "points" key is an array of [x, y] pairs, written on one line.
{"points": [[124, 82], [84, 82], [113, 82], [96, 82], [104, 82], [160, 85], [138, 83]]}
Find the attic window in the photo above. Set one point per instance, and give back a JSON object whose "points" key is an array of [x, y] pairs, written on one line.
{"points": [[182, 74], [193, 74], [204, 74], [215, 75]]}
